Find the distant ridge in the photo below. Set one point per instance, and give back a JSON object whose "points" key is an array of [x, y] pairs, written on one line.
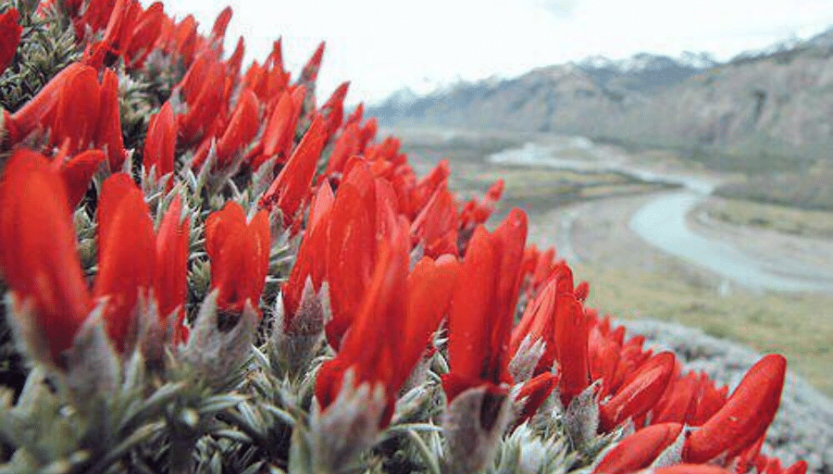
{"points": [[776, 101]]}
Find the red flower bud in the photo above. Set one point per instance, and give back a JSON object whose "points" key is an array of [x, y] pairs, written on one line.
{"points": [[483, 307], [126, 246], [10, 32], [639, 450], [535, 391], [77, 173], [239, 254], [37, 255], [160, 142], [311, 262], [310, 72], [571, 346], [638, 394], [746, 415], [170, 282], [292, 185]]}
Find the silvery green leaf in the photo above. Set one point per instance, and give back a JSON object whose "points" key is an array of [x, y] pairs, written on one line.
{"points": [[296, 345], [474, 423], [526, 358], [93, 365], [20, 316], [346, 428], [581, 418], [300, 453], [216, 356]]}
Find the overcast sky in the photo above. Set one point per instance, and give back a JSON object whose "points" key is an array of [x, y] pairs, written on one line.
{"points": [[384, 45]]}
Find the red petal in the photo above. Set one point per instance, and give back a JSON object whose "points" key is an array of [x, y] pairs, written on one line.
{"points": [[351, 248], [77, 112], [746, 415], [291, 187], [571, 337], [239, 254], [160, 143], [241, 129], [78, 172], [38, 255], [171, 270], [109, 132], [126, 246], [310, 71], [639, 450], [639, 394], [536, 392], [10, 32], [218, 31]]}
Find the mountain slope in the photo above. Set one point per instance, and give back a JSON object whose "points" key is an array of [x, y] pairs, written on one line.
{"points": [[774, 102]]}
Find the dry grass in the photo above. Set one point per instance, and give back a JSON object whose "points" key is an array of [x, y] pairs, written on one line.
{"points": [[785, 219]]}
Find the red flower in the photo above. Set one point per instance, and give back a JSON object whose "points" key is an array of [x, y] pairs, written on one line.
{"points": [[538, 324], [144, 35], [639, 450], [78, 111], [436, 225], [270, 80], [35, 111], [398, 313], [474, 212], [10, 32], [119, 28], [333, 110], [38, 256], [160, 142], [677, 401], [279, 134], [170, 282], [291, 187], [241, 129], [218, 31], [535, 391], [351, 248], [126, 246], [345, 146], [311, 262], [483, 308], [571, 334], [204, 89], [746, 415], [310, 72], [235, 61], [109, 132], [239, 254], [77, 173], [639, 393], [95, 16]]}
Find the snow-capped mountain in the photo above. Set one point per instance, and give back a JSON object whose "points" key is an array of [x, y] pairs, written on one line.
{"points": [[648, 62], [755, 104]]}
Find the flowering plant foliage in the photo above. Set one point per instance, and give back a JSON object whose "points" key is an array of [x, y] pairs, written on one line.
{"points": [[207, 271]]}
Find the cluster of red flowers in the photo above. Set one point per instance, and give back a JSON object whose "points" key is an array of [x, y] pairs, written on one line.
{"points": [[401, 257]]}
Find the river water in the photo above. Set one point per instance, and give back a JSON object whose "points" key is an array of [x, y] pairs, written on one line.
{"points": [[662, 221]]}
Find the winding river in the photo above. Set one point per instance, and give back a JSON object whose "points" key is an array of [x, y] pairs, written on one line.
{"points": [[662, 221]]}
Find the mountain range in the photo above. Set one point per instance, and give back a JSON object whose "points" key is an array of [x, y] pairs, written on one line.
{"points": [[776, 101]]}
